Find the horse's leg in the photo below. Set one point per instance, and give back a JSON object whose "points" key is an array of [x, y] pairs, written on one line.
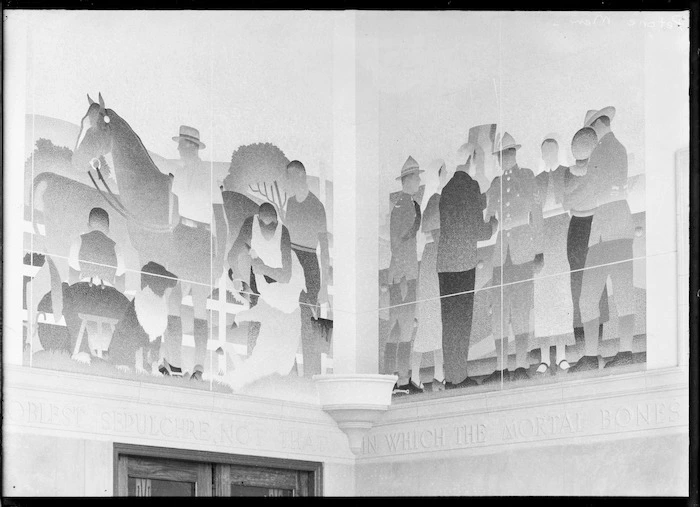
{"points": [[200, 293], [172, 340]]}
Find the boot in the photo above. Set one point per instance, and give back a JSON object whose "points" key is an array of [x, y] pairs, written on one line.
{"points": [[624, 357], [496, 377], [520, 374], [589, 361], [172, 347]]}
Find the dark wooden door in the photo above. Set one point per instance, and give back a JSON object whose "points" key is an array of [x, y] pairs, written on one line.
{"points": [[163, 477], [232, 480], [155, 471]]}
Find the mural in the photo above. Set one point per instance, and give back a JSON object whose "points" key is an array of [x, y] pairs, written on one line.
{"points": [[547, 248], [183, 234], [144, 273]]}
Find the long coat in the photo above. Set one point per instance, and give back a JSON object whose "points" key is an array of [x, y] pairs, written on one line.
{"points": [[461, 224]]}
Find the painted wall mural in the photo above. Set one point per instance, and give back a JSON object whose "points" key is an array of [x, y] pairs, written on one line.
{"points": [[524, 262], [178, 270], [184, 234], [135, 218], [559, 289]]}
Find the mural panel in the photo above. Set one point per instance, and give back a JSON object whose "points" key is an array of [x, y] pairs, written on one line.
{"points": [[210, 269], [521, 243]]}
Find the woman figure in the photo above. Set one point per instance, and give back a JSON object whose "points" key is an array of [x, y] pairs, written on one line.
{"points": [[553, 306], [429, 333]]}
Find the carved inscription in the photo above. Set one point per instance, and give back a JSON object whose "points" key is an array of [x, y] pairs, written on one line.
{"points": [[541, 426], [45, 413], [426, 439], [640, 415], [507, 429], [274, 435]]}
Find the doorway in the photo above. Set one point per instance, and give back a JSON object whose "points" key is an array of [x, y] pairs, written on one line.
{"points": [[157, 471]]}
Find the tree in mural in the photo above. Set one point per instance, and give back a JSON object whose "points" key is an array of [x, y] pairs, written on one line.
{"points": [[57, 159], [258, 169], [47, 157]]}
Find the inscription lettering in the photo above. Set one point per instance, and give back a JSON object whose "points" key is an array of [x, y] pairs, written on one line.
{"points": [[640, 415], [471, 434], [68, 416], [538, 426]]}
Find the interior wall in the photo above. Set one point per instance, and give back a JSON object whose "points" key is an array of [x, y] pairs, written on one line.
{"points": [[630, 467], [42, 465]]}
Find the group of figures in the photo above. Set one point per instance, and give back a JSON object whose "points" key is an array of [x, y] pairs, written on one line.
{"points": [[588, 236], [189, 240]]}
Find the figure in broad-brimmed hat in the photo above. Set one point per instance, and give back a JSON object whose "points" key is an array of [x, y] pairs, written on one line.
{"points": [[595, 114], [198, 201], [517, 254], [403, 272], [610, 243], [506, 143], [410, 167], [191, 137]]}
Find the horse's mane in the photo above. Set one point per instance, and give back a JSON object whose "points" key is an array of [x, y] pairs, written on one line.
{"points": [[113, 115]]}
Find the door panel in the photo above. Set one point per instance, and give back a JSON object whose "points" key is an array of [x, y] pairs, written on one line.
{"points": [[160, 487], [164, 477], [260, 481], [237, 490]]}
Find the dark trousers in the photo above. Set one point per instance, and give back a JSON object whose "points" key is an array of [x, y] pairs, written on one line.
{"points": [[456, 322], [311, 330], [577, 250]]}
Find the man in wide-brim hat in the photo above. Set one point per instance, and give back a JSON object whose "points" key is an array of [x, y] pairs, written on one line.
{"points": [[410, 167], [610, 243], [188, 139], [592, 115], [197, 202], [517, 254], [403, 273], [506, 143]]}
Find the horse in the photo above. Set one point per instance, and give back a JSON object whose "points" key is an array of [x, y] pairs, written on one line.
{"points": [[147, 202]]}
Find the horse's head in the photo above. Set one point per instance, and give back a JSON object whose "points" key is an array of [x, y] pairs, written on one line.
{"points": [[95, 138]]}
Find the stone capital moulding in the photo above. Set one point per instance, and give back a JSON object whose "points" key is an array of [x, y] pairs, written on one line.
{"points": [[355, 402]]}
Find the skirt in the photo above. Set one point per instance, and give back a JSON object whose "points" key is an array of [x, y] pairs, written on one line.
{"points": [[553, 305], [429, 332]]}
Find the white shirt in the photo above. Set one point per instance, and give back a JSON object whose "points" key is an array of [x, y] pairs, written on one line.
{"points": [[283, 296], [196, 190]]}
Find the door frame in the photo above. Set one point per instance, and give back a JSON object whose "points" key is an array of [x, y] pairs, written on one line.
{"points": [[315, 469]]}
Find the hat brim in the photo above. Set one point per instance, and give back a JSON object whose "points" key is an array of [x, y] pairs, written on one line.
{"points": [[200, 144], [466, 148], [411, 171], [606, 111], [516, 146]]}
